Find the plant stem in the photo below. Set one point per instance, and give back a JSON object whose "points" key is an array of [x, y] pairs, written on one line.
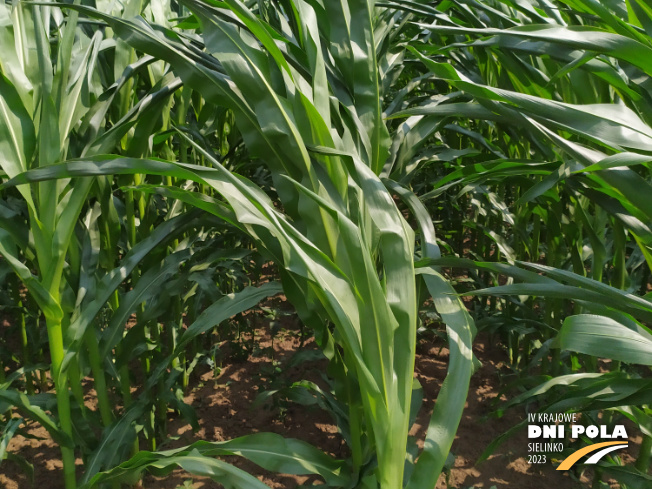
{"points": [[356, 432], [99, 378], [55, 338], [620, 242], [29, 384], [643, 460]]}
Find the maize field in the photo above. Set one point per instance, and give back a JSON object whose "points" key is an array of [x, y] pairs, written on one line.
{"points": [[385, 244]]}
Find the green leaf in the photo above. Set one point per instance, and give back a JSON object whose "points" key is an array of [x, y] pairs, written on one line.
{"points": [[447, 413], [226, 307], [130, 472], [22, 402], [605, 338], [17, 135]]}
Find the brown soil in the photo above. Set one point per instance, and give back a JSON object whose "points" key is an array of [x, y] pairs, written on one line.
{"points": [[223, 406]]}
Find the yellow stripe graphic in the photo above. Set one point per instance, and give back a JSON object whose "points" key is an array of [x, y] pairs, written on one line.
{"points": [[574, 457]]}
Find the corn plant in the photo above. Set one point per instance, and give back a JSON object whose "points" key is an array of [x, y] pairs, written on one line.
{"points": [[514, 70], [311, 110], [61, 237], [337, 136], [40, 108]]}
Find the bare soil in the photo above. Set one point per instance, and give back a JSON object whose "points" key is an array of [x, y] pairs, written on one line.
{"points": [[223, 406]]}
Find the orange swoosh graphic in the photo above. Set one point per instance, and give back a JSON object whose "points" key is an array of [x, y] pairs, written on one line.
{"points": [[574, 457]]}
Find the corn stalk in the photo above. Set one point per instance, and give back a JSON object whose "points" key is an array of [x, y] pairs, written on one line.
{"points": [[313, 115]]}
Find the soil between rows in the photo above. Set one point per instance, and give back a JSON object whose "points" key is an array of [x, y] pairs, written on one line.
{"points": [[224, 408]]}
